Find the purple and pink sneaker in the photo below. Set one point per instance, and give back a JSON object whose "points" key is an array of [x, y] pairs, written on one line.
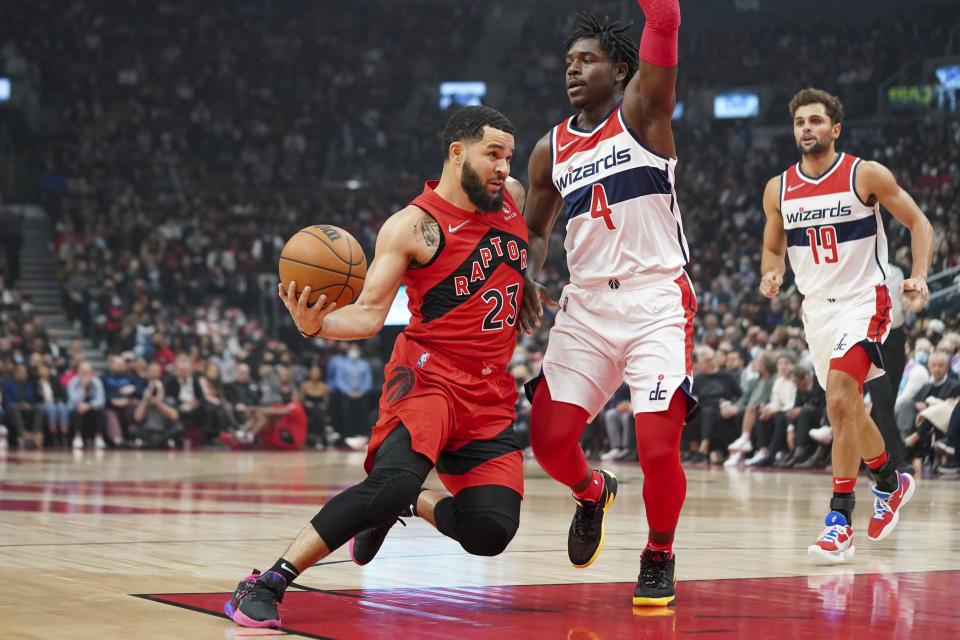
{"points": [[254, 603]]}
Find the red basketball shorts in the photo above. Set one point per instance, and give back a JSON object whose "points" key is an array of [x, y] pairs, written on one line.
{"points": [[458, 416]]}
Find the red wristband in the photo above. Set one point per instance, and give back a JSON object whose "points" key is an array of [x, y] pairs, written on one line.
{"points": [[658, 44]]}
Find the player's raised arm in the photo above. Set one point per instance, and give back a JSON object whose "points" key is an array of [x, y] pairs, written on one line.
{"points": [[650, 96], [874, 182], [543, 205], [398, 242], [772, 264]]}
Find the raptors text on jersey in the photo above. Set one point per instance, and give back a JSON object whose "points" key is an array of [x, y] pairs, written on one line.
{"points": [[466, 302]]}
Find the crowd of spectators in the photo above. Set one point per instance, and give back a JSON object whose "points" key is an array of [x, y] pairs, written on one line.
{"points": [[193, 139]]}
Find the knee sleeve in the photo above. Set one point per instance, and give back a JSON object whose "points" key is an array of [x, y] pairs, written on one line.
{"points": [[482, 519], [392, 486], [486, 536], [377, 500]]}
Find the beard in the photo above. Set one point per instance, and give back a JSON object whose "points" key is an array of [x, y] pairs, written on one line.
{"points": [[819, 147], [477, 192]]}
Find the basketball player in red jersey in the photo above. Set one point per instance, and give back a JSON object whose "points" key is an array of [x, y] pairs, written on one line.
{"points": [[448, 400], [825, 213], [627, 312]]}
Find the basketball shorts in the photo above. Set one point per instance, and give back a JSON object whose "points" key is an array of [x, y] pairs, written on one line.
{"points": [[459, 414], [834, 325], [603, 337]]}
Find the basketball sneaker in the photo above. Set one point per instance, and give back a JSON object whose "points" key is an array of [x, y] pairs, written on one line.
{"points": [[254, 603], [586, 530], [836, 542], [365, 545], [656, 583], [886, 507]]}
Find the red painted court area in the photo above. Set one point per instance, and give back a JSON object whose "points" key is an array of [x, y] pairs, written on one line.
{"points": [[843, 606]]}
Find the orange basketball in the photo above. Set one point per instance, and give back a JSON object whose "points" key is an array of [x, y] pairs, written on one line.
{"points": [[328, 259]]}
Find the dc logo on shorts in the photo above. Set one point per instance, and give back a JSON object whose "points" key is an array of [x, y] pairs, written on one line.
{"points": [[423, 359], [658, 393], [841, 345]]}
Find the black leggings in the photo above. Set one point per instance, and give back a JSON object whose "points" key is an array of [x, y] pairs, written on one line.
{"points": [[482, 519]]}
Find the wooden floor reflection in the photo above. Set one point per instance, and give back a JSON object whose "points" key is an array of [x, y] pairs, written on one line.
{"points": [[149, 544]]}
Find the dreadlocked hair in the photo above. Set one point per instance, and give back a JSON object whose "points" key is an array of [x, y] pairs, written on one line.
{"points": [[613, 39]]}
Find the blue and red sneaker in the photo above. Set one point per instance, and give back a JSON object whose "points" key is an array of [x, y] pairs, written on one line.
{"points": [[886, 507], [836, 542]]}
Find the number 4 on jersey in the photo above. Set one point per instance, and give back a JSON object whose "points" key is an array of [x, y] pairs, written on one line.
{"points": [[599, 207]]}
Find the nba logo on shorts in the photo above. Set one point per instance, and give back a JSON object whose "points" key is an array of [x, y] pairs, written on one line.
{"points": [[423, 359], [658, 393], [564, 307]]}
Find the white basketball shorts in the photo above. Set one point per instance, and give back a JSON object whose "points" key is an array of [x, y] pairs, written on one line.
{"points": [[834, 325], [603, 337]]}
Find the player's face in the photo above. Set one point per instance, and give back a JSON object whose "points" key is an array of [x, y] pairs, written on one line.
{"points": [[813, 130], [486, 166], [591, 76]]}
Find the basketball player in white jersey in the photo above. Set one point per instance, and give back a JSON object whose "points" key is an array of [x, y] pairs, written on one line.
{"points": [[627, 312], [825, 213]]}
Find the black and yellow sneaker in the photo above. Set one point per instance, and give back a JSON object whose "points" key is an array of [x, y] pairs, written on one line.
{"points": [[586, 531], [655, 586]]}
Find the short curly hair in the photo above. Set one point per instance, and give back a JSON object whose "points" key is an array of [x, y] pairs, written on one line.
{"points": [[810, 95]]}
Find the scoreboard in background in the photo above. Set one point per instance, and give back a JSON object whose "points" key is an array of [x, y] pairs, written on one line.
{"points": [[919, 96]]}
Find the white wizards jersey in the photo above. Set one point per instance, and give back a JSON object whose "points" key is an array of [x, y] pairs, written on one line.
{"points": [[835, 241], [623, 222]]}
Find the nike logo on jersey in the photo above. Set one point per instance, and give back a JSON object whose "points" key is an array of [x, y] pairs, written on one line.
{"points": [[454, 229], [796, 186], [564, 146]]}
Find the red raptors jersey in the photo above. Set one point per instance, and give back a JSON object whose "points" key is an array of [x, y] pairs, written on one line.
{"points": [[466, 302]]}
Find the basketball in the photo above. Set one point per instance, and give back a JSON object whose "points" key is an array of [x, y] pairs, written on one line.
{"points": [[328, 259]]}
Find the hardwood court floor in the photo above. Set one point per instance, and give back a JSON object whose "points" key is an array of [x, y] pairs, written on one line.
{"points": [[149, 545]]}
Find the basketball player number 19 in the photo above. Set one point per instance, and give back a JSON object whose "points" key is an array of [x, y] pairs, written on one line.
{"points": [[599, 207], [826, 237]]}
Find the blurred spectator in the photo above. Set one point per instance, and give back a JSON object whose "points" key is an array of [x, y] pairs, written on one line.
{"points": [[618, 420], [279, 426], [122, 391], [350, 379], [315, 398], [715, 388], [86, 402], [772, 416], [808, 412], [155, 419], [915, 377], [53, 401], [755, 395], [216, 413], [21, 411]]}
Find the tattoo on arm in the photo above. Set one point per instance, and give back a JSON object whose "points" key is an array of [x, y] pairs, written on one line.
{"points": [[430, 230]]}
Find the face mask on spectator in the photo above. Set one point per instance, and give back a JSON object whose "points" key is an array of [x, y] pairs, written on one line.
{"points": [[921, 357], [353, 353]]}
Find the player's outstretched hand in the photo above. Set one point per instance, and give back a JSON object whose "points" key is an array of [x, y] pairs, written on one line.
{"points": [[534, 297], [770, 283], [915, 294], [307, 317]]}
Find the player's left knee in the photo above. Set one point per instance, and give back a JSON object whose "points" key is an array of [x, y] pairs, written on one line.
{"points": [[484, 536]]}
